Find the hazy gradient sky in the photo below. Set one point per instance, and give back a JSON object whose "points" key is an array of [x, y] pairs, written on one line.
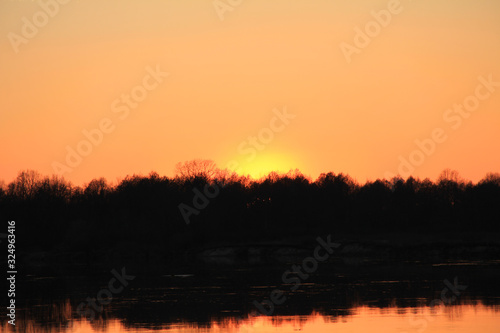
{"points": [[227, 76]]}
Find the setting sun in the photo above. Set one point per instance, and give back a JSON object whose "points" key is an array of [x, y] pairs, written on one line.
{"points": [[264, 163], [264, 166]]}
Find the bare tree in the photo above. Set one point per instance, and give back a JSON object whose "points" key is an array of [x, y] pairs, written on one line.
{"points": [[97, 187], [227, 176], [56, 186], [491, 177], [449, 175], [206, 169], [26, 184], [296, 174]]}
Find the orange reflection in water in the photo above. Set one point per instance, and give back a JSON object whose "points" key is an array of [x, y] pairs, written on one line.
{"points": [[459, 319]]}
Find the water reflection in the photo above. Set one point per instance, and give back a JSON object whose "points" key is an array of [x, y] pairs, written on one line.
{"points": [[457, 318], [344, 298]]}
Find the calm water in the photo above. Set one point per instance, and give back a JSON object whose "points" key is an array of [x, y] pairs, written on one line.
{"points": [[353, 296], [463, 318]]}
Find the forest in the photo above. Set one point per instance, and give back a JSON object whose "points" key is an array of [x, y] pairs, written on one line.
{"points": [[202, 206]]}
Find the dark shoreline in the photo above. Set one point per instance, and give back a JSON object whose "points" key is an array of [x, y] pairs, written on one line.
{"points": [[396, 247]]}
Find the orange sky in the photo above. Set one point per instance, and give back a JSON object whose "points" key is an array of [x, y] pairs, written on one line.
{"points": [[357, 113]]}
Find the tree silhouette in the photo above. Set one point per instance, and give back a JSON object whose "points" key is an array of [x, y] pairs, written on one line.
{"points": [[97, 188], [26, 184], [205, 169], [491, 177], [56, 216], [449, 175]]}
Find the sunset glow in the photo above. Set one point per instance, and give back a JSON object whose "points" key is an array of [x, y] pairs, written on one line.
{"points": [[464, 318], [359, 112], [250, 166]]}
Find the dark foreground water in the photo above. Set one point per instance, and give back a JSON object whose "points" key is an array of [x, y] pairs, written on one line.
{"points": [[343, 295]]}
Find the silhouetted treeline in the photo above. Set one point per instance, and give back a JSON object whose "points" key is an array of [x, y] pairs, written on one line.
{"points": [[51, 214]]}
